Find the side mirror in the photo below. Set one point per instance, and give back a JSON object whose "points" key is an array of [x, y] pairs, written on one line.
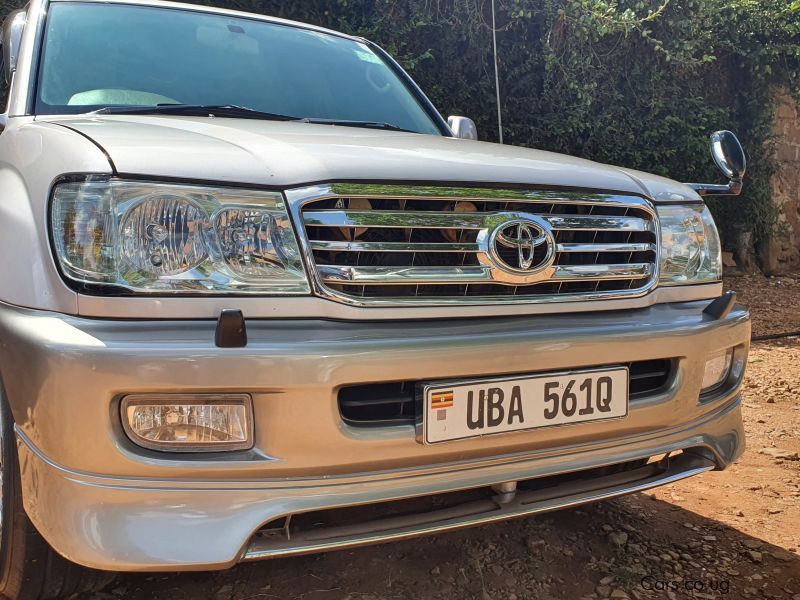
{"points": [[729, 157], [11, 40], [463, 128], [728, 154]]}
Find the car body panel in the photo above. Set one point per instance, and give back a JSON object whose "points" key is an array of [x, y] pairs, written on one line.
{"points": [[157, 525], [32, 157], [156, 510], [289, 154], [79, 368]]}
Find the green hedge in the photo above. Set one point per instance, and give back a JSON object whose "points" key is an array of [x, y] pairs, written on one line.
{"points": [[636, 83]]}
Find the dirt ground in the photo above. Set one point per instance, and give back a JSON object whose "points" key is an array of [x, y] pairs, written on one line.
{"points": [[733, 534], [773, 301]]}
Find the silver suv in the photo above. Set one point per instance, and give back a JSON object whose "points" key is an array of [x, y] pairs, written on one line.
{"points": [[259, 299]]}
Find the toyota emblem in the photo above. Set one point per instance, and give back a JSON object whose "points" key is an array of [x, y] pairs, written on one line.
{"points": [[522, 245]]}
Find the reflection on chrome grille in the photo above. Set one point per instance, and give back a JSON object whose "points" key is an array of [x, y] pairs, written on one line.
{"points": [[405, 245]]}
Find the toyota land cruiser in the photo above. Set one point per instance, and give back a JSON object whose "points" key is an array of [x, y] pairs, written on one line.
{"points": [[260, 299]]}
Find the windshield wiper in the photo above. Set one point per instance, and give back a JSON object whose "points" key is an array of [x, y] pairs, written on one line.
{"points": [[351, 123], [195, 110]]}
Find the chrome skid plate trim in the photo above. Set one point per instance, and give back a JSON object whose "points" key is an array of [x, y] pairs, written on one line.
{"points": [[478, 512]]}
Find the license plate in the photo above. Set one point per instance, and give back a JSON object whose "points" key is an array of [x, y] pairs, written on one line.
{"points": [[465, 409]]}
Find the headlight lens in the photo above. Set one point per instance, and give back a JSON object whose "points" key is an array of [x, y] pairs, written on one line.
{"points": [[690, 246], [158, 238]]}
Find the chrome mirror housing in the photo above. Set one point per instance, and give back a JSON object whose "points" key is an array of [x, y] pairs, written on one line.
{"points": [[463, 128], [728, 154], [730, 159]]}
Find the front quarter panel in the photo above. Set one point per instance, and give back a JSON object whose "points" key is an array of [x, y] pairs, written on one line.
{"points": [[32, 156]]}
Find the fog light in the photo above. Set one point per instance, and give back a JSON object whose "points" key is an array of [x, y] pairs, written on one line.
{"points": [[718, 365], [189, 423]]}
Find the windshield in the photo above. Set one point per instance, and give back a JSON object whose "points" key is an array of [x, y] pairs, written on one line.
{"points": [[100, 55]]}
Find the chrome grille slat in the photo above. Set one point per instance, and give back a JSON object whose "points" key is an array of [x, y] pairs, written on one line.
{"points": [[409, 245], [393, 246], [603, 272], [393, 219], [595, 224], [458, 274], [347, 246], [403, 275], [435, 193], [453, 220], [597, 248]]}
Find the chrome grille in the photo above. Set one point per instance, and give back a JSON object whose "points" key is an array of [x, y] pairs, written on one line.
{"points": [[405, 245]]}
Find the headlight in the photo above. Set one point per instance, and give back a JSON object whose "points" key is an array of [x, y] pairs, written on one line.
{"points": [[690, 247], [162, 238]]}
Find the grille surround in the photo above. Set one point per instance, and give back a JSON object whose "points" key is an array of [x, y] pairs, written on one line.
{"points": [[627, 225]]}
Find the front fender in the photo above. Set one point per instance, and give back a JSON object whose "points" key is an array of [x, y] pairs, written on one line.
{"points": [[33, 156]]}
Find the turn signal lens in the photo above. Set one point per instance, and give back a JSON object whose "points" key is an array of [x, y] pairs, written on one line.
{"points": [[189, 423]]}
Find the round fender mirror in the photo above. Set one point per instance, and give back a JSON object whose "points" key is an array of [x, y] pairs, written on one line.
{"points": [[728, 154]]}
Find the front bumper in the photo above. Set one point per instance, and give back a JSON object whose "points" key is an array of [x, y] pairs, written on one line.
{"points": [[105, 503]]}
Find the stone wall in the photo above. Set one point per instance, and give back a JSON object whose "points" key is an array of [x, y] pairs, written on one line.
{"points": [[782, 253]]}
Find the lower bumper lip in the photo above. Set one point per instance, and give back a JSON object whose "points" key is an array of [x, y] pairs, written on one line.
{"points": [[168, 525], [471, 513]]}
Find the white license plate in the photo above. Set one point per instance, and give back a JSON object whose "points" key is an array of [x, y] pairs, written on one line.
{"points": [[465, 409]]}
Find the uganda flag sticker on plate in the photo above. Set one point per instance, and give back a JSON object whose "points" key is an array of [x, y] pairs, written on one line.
{"points": [[442, 399]]}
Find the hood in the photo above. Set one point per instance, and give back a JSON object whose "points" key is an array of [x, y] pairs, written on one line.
{"points": [[289, 154]]}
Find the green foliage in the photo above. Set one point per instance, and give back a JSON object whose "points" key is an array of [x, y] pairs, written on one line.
{"points": [[639, 83]]}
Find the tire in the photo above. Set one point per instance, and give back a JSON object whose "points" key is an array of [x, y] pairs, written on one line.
{"points": [[29, 568]]}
